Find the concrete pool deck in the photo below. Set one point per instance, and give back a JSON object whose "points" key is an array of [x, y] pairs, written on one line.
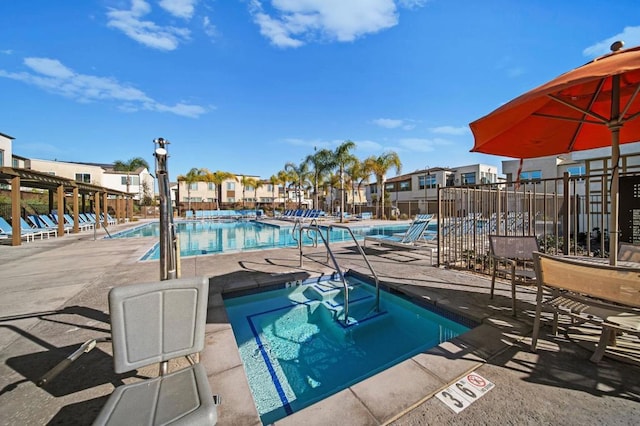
{"points": [[53, 298]]}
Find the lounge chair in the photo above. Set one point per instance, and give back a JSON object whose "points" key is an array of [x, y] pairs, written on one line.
{"points": [[510, 256], [29, 234], [25, 228], [598, 293], [155, 323], [411, 239]]}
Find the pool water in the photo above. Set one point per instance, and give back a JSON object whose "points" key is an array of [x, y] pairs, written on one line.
{"points": [[297, 349], [210, 237]]}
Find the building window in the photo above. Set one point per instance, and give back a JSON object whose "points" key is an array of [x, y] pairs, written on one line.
{"points": [[389, 187], [373, 189], [211, 186], [1, 158], [133, 180], [193, 186], [269, 187], [266, 199], [83, 177], [576, 171], [430, 181], [231, 186], [248, 188], [405, 186], [231, 200], [468, 178], [531, 175]]}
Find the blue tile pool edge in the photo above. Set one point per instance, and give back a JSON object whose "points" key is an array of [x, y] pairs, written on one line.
{"points": [[453, 316]]}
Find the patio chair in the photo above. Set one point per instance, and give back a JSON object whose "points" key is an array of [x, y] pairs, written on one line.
{"points": [[154, 323], [511, 255], [409, 240], [28, 234], [587, 291]]}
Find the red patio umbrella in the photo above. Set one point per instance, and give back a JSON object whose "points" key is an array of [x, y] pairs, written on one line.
{"points": [[593, 106]]}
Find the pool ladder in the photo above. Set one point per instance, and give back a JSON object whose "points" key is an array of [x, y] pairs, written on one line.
{"points": [[313, 226]]}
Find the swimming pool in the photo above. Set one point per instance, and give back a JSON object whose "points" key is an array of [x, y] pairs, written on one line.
{"points": [[210, 237], [295, 353]]}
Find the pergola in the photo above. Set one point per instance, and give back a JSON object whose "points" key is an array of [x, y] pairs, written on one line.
{"points": [[58, 187]]}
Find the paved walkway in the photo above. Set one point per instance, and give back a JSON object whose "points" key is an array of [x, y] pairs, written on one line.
{"points": [[53, 297]]}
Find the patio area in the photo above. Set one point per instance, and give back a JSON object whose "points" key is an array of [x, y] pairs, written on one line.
{"points": [[54, 297]]}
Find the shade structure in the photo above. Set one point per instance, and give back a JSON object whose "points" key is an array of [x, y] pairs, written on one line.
{"points": [[592, 106]]}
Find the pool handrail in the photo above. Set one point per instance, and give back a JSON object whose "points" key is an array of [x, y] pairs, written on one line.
{"points": [[330, 254], [366, 260]]}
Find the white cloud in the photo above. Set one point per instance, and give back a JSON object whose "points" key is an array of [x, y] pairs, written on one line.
{"points": [[292, 23], [392, 123], [179, 8], [208, 27], [54, 77], [368, 146], [450, 130], [630, 36], [388, 123], [421, 144], [6, 52], [146, 32], [412, 4]]}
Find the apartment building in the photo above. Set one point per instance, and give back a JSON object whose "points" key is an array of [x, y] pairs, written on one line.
{"points": [[421, 186]]}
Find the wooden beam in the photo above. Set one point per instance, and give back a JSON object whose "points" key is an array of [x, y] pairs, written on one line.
{"points": [[60, 210], [16, 237], [130, 202], [96, 202], [104, 204], [76, 219]]}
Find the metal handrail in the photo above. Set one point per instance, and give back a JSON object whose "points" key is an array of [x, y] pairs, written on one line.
{"points": [[366, 260], [316, 228]]}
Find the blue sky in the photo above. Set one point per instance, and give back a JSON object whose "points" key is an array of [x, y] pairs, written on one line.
{"points": [[247, 85]]}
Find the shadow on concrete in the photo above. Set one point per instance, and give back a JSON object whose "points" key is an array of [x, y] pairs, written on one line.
{"points": [[80, 413], [92, 369]]}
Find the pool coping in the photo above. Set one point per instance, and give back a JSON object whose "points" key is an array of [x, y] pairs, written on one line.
{"points": [[376, 400]]}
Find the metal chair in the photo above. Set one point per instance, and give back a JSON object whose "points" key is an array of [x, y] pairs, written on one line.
{"points": [[506, 252], [154, 323]]}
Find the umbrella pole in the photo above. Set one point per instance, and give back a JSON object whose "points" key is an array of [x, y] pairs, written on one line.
{"points": [[614, 125]]}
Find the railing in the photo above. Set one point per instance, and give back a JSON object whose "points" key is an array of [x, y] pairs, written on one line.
{"points": [[568, 215], [314, 227]]}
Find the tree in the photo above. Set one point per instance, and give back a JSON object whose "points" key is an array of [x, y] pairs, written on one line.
{"points": [[217, 178], [380, 166], [343, 158], [194, 175], [284, 177], [274, 180], [247, 181], [358, 173], [129, 166], [322, 162], [300, 175]]}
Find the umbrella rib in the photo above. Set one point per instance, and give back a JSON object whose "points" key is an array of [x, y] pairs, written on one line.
{"points": [[577, 108], [628, 105], [576, 120]]}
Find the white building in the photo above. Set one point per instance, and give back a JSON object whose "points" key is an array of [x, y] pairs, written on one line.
{"points": [[422, 185], [5, 150]]}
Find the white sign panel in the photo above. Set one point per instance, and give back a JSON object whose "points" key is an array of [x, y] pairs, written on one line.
{"points": [[464, 392]]}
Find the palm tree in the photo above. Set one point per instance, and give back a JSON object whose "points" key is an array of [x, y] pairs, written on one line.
{"points": [[257, 184], [129, 166], [246, 181], [357, 174], [194, 175], [343, 158], [274, 180], [380, 166], [217, 178], [362, 175], [300, 175], [332, 180], [322, 161], [283, 175]]}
